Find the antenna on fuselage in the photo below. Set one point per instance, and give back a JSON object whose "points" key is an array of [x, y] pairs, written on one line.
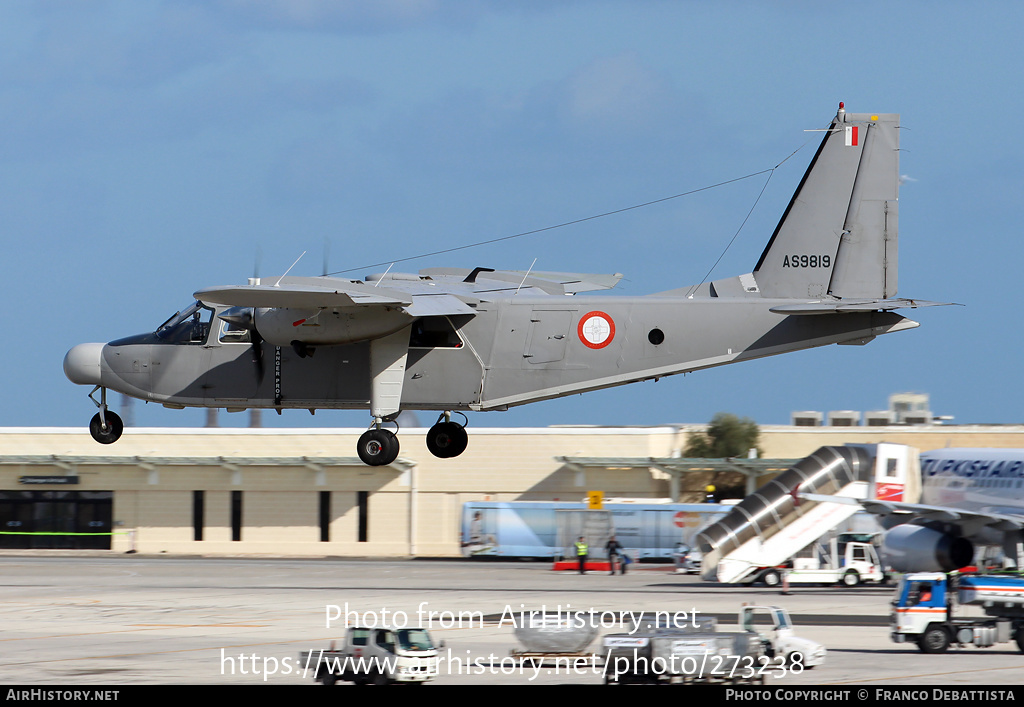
{"points": [[377, 284], [526, 275], [289, 269]]}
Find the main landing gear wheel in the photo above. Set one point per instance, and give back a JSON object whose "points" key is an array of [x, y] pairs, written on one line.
{"points": [[447, 439], [378, 447], [106, 434]]}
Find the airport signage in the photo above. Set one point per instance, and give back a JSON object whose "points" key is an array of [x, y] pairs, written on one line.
{"points": [[59, 480]]}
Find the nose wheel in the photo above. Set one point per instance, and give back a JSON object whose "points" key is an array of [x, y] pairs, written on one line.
{"points": [[106, 426], [378, 447], [447, 439], [106, 433]]}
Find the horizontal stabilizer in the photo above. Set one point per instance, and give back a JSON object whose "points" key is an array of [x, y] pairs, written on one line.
{"points": [[848, 306]]}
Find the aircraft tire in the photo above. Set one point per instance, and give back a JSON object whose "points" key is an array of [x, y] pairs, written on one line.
{"points": [[114, 428], [378, 447], [447, 439]]}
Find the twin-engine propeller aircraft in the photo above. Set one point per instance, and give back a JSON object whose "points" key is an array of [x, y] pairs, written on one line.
{"points": [[451, 340]]}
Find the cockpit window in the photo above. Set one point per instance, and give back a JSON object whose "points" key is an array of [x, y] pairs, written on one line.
{"points": [[190, 326]]}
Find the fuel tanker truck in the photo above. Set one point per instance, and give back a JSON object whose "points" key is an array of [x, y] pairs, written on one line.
{"points": [[932, 610]]}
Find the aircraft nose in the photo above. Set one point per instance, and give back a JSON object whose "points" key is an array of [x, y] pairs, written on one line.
{"points": [[82, 364]]}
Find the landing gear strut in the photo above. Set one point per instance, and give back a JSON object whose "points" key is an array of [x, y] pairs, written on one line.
{"points": [[377, 446], [447, 439], [106, 426]]}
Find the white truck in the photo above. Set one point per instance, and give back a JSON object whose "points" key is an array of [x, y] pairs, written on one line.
{"points": [[926, 605], [774, 628], [379, 656], [839, 561], [836, 561]]}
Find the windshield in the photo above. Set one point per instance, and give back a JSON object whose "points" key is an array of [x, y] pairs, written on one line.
{"points": [[186, 327], [414, 639]]}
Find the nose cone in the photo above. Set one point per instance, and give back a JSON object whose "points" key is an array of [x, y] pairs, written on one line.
{"points": [[82, 364]]}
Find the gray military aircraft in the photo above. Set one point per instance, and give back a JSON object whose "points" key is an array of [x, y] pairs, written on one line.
{"points": [[452, 340]]}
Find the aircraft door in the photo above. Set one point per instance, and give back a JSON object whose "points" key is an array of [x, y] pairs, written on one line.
{"points": [[233, 369], [547, 337]]}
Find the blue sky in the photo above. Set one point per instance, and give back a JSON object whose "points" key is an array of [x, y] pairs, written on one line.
{"points": [[151, 149]]}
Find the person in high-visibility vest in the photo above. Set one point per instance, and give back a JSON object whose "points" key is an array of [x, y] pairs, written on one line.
{"points": [[581, 553]]}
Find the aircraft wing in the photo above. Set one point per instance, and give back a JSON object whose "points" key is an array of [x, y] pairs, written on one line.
{"points": [[970, 522], [565, 282], [578, 282], [302, 296], [846, 306], [317, 293], [438, 305]]}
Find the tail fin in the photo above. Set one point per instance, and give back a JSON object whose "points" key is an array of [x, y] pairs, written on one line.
{"points": [[838, 236]]}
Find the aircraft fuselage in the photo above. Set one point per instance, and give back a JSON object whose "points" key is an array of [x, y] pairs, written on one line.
{"points": [[514, 351]]}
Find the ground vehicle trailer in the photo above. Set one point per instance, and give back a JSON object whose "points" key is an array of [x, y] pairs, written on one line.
{"points": [[690, 654], [925, 602], [377, 655], [775, 630], [530, 528]]}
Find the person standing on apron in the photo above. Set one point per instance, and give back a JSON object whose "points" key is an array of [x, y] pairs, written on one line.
{"points": [[581, 553]]}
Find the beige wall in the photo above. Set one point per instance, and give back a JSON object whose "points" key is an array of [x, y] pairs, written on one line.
{"points": [[415, 510], [785, 442]]}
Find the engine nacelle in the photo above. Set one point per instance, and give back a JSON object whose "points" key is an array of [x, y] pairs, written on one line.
{"points": [[915, 548], [282, 326]]}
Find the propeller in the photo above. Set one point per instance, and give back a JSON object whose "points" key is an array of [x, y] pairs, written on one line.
{"points": [[255, 338], [244, 318]]}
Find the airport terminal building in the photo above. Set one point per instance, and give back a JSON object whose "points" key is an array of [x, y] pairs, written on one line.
{"points": [[299, 492]]}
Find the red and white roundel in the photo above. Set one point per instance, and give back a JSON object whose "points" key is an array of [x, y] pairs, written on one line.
{"points": [[596, 330]]}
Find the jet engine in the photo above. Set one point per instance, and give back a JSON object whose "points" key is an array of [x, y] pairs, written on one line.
{"points": [[915, 548]]}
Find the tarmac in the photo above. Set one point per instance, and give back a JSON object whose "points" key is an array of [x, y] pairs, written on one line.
{"points": [[107, 620]]}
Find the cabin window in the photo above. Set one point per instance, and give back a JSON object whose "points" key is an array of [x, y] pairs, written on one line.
{"points": [[434, 333], [231, 333]]}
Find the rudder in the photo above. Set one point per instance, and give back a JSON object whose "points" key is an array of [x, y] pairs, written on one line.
{"points": [[838, 236]]}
